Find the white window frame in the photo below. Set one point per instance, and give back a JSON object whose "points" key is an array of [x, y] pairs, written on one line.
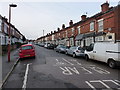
{"points": [[73, 29], [100, 21], [78, 28], [92, 28]]}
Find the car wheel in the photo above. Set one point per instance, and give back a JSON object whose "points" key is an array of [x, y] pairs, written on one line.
{"points": [[74, 55], [86, 57], [111, 63]]}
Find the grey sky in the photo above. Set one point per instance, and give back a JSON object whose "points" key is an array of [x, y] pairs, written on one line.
{"points": [[31, 18]]}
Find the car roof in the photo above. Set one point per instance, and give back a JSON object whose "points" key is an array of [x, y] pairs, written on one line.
{"points": [[26, 45]]}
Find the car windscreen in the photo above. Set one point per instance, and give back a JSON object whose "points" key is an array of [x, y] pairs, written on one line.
{"points": [[80, 48], [63, 46], [26, 47]]}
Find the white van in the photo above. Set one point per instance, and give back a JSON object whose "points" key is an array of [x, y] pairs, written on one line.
{"points": [[108, 52]]}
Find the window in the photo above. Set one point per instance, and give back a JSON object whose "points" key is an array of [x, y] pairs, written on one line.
{"points": [[100, 38], [78, 28], [73, 31], [100, 25], [92, 26], [5, 27], [27, 47]]}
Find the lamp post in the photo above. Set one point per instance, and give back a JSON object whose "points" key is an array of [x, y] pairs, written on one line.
{"points": [[9, 32]]}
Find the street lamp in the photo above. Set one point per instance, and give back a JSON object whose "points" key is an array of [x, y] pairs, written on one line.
{"points": [[9, 34]]}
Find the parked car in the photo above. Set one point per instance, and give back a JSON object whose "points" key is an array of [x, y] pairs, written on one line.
{"points": [[51, 46], [46, 45], [27, 50], [41, 44], [107, 52], [60, 48], [75, 51]]}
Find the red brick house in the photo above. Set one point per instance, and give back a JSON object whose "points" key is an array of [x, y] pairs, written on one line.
{"points": [[103, 26]]}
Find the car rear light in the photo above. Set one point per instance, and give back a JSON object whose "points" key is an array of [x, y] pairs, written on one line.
{"points": [[20, 51]]}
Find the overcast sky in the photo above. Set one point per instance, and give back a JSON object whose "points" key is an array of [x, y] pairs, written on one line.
{"points": [[31, 18]]}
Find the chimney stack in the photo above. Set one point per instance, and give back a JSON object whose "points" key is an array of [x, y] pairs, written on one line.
{"points": [[71, 23], [83, 17], [105, 7], [63, 26], [58, 29]]}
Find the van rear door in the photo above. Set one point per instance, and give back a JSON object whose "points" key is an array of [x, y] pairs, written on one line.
{"points": [[99, 52]]}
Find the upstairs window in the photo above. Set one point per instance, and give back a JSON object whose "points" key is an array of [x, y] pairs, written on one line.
{"points": [[78, 28], [5, 27], [100, 25], [73, 30], [92, 26]]}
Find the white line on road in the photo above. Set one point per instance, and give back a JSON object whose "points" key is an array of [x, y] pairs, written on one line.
{"points": [[25, 77], [57, 60], [90, 85], [101, 83], [117, 81], [86, 70], [67, 61], [111, 81]]}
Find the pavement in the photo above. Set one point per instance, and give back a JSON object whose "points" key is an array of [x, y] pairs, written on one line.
{"points": [[7, 67]]}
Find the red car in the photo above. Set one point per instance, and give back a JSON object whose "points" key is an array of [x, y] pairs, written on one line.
{"points": [[27, 50]]}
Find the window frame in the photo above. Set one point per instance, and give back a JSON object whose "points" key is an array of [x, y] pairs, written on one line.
{"points": [[100, 25], [92, 26]]}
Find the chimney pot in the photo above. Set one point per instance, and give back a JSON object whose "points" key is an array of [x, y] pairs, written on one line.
{"points": [[83, 17], [63, 26], [71, 23], [58, 29]]}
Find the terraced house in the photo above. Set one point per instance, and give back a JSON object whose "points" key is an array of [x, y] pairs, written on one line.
{"points": [[103, 26], [16, 36]]}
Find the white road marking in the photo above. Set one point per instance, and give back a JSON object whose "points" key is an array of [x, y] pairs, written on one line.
{"points": [[25, 77], [90, 85], [67, 61], [57, 60], [104, 70], [74, 70], [101, 83], [59, 63], [89, 72], [79, 63], [117, 81], [99, 70], [111, 81], [66, 71]]}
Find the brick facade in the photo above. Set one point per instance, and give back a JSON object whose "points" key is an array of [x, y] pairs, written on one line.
{"points": [[103, 26]]}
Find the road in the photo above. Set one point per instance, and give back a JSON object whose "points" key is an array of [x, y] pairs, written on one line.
{"points": [[56, 70]]}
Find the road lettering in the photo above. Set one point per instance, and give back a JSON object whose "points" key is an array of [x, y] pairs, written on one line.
{"points": [[69, 70]]}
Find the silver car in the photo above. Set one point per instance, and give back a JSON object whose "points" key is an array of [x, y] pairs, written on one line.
{"points": [[75, 51]]}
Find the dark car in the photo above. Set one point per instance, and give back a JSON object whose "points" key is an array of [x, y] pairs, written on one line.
{"points": [[51, 46]]}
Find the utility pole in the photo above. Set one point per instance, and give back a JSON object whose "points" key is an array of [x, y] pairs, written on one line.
{"points": [[9, 30]]}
